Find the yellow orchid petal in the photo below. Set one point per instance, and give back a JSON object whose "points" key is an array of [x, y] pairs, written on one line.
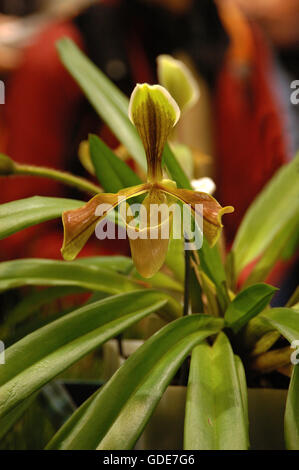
{"points": [[154, 113], [79, 224], [149, 241], [176, 77], [211, 210]]}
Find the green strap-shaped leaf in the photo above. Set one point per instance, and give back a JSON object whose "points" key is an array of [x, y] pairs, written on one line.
{"points": [[174, 169], [285, 320], [116, 416], [33, 303], [128, 426], [160, 281], [291, 419], [280, 244], [211, 264], [43, 354], [23, 213], [120, 264], [275, 209], [216, 418], [44, 272], [112, 173], [243, 387], [247, 304], [104, 96]]}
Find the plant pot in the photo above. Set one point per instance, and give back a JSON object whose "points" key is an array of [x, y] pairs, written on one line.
{"points": [[112, 359], [266, 416]]}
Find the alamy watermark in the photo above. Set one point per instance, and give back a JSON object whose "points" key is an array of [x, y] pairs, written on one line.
{"points": [[295, 94], [2, 92], [154, 221], [295, 354]]}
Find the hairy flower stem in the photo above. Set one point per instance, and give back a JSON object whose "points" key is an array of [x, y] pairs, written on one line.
{"points": [[185, 366], [187, 283], [67, 178]]}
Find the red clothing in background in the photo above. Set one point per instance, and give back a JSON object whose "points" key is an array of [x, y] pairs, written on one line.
{"points": [[249, 133], [41, 102]]}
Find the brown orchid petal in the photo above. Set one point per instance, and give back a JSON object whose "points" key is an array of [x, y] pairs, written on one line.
{"points": [[154, 113], [211, 210], [149, 243], [79, 224]]}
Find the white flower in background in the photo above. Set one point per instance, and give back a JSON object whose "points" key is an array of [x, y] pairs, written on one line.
{"points": [[205, 185]]}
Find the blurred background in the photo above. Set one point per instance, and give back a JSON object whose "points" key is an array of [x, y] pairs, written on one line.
{"points": [[244, 54]]}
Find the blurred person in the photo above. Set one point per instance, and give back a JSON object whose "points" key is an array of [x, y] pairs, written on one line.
{"points": [[255, 122], [278, 18], [10, 57]]}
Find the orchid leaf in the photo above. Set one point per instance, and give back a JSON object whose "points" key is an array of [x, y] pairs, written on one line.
{"points": [[43, 272], [211, 264], [274, 251], [274, 211], [291, 419], [33, 302], [247, 304], [117, 414], [174, 169], [160, 280], [40, 356], [109, 102], [23, 213], [216, 415], [14, 415], [285, 320], [175, 258], [112, 173]]}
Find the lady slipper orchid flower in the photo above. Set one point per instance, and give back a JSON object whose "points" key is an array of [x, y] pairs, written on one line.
{"points": [[154, 113]]}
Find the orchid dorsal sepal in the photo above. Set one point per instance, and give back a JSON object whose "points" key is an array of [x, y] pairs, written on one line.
{"points": [[177, 78], [154, 113]]}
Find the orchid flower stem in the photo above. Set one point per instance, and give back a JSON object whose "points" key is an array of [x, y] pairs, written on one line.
{"points": [[183, 376], [67, 178], [120, 346], [187, 284]]}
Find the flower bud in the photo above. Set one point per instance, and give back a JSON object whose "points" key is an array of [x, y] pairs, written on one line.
{"points": [[7, 166]]}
